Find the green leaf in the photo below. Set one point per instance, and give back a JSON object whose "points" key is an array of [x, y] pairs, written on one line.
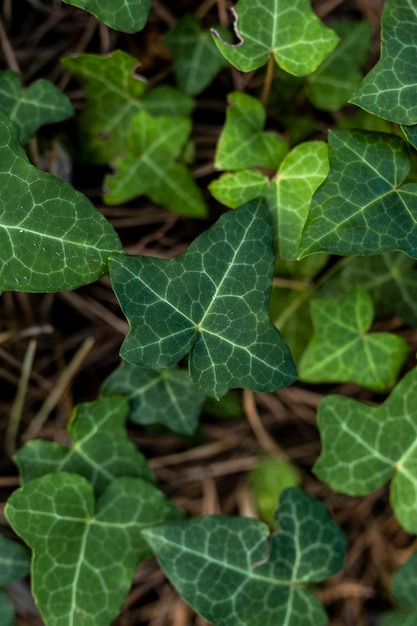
{"points": [[196, 58], [242, 142], [167, 397], [6, 610], [151, 165], [114, 93], [363, 207], [14, 561], [51, 237], [343, 350], [101, 449], [389, 90], [212, 301], [335, 80], [29, 109], [404, 591], [225, 568], [83, 551], [262, 30], [129, 16], [364, 446], [235, 188]]}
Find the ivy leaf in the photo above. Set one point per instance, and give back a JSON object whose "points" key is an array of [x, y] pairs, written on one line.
{"points": [[262, 30], [343, 350], [389, 88], [29, 109], [167, 397], [101, 449], [114, 93], [14, 561], [6, 610], [224, 567], [235, 188], [196, 58], [129, 16], [151, 165], [363, 446], [242, 143], [83, 551], [212, 301], [404, 591], [51, 237], [375, 214]]}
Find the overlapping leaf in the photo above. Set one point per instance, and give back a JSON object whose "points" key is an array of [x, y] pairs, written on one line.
{"points": [[389, 90], [129, 16], [151, 165], [101, 449], [404, 591], [85, 553], [212, 301], [262, 29], [364, 446], [114, 93], [14, 560], [30, 108], [226, 570], [51, 237], [363, 207], [167, 397], [343, 350]]}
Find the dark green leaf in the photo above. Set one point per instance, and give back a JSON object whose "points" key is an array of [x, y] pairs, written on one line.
{"points": [[6, 610], [404, 591], [129, 16], [14, 561]]}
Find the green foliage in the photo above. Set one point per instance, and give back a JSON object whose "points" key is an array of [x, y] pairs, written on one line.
{"points": [[129, 16], [6, 610], [403, 589], [14, 561]]}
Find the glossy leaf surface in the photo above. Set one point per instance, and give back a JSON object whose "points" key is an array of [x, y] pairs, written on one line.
{"points": [[129, 16], [225, 568], [14, 560], [212, 301], [404, 591]]}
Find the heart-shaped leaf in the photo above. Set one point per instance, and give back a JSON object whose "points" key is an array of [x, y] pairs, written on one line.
{"points": [[262, 29], [212, 301], [129, 16], [374, 214], [404, 591], [363, 446], [51, 237], [83, 551], [14, 561], [101, 449], [224, 567]]}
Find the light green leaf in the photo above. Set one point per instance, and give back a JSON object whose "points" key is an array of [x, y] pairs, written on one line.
{"points": [[242, 142], [14, 561], [196, 58], [343, 350], [389, 90], [129, 16], [101, 449], [404, 591], [114, 93], [290, 312], [335, 80], [212, 301], [167, 397], [262, 28], [85, 554], [364, 446], [230, 574], [51, 237], [151, 165], [29, 109], [235, 188], [6, 610], [363, 207]]}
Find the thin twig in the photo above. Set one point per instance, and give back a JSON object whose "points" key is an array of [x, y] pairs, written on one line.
{"points": [[265, 441], [8, 50]]}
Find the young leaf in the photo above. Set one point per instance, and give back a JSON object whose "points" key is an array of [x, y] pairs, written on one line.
{"points": [[167, 397], [85, 554], [51, 237], [114, 93], [262, 30], [363, 446], [196, 58], [225, 569], [14, 561], [404, 591], [242, 142], [151, 165], [343, 350], [29, 109], [389, 90], [362, 207], [101, 449], [212, 301], [129, 16], [235, 188]]}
